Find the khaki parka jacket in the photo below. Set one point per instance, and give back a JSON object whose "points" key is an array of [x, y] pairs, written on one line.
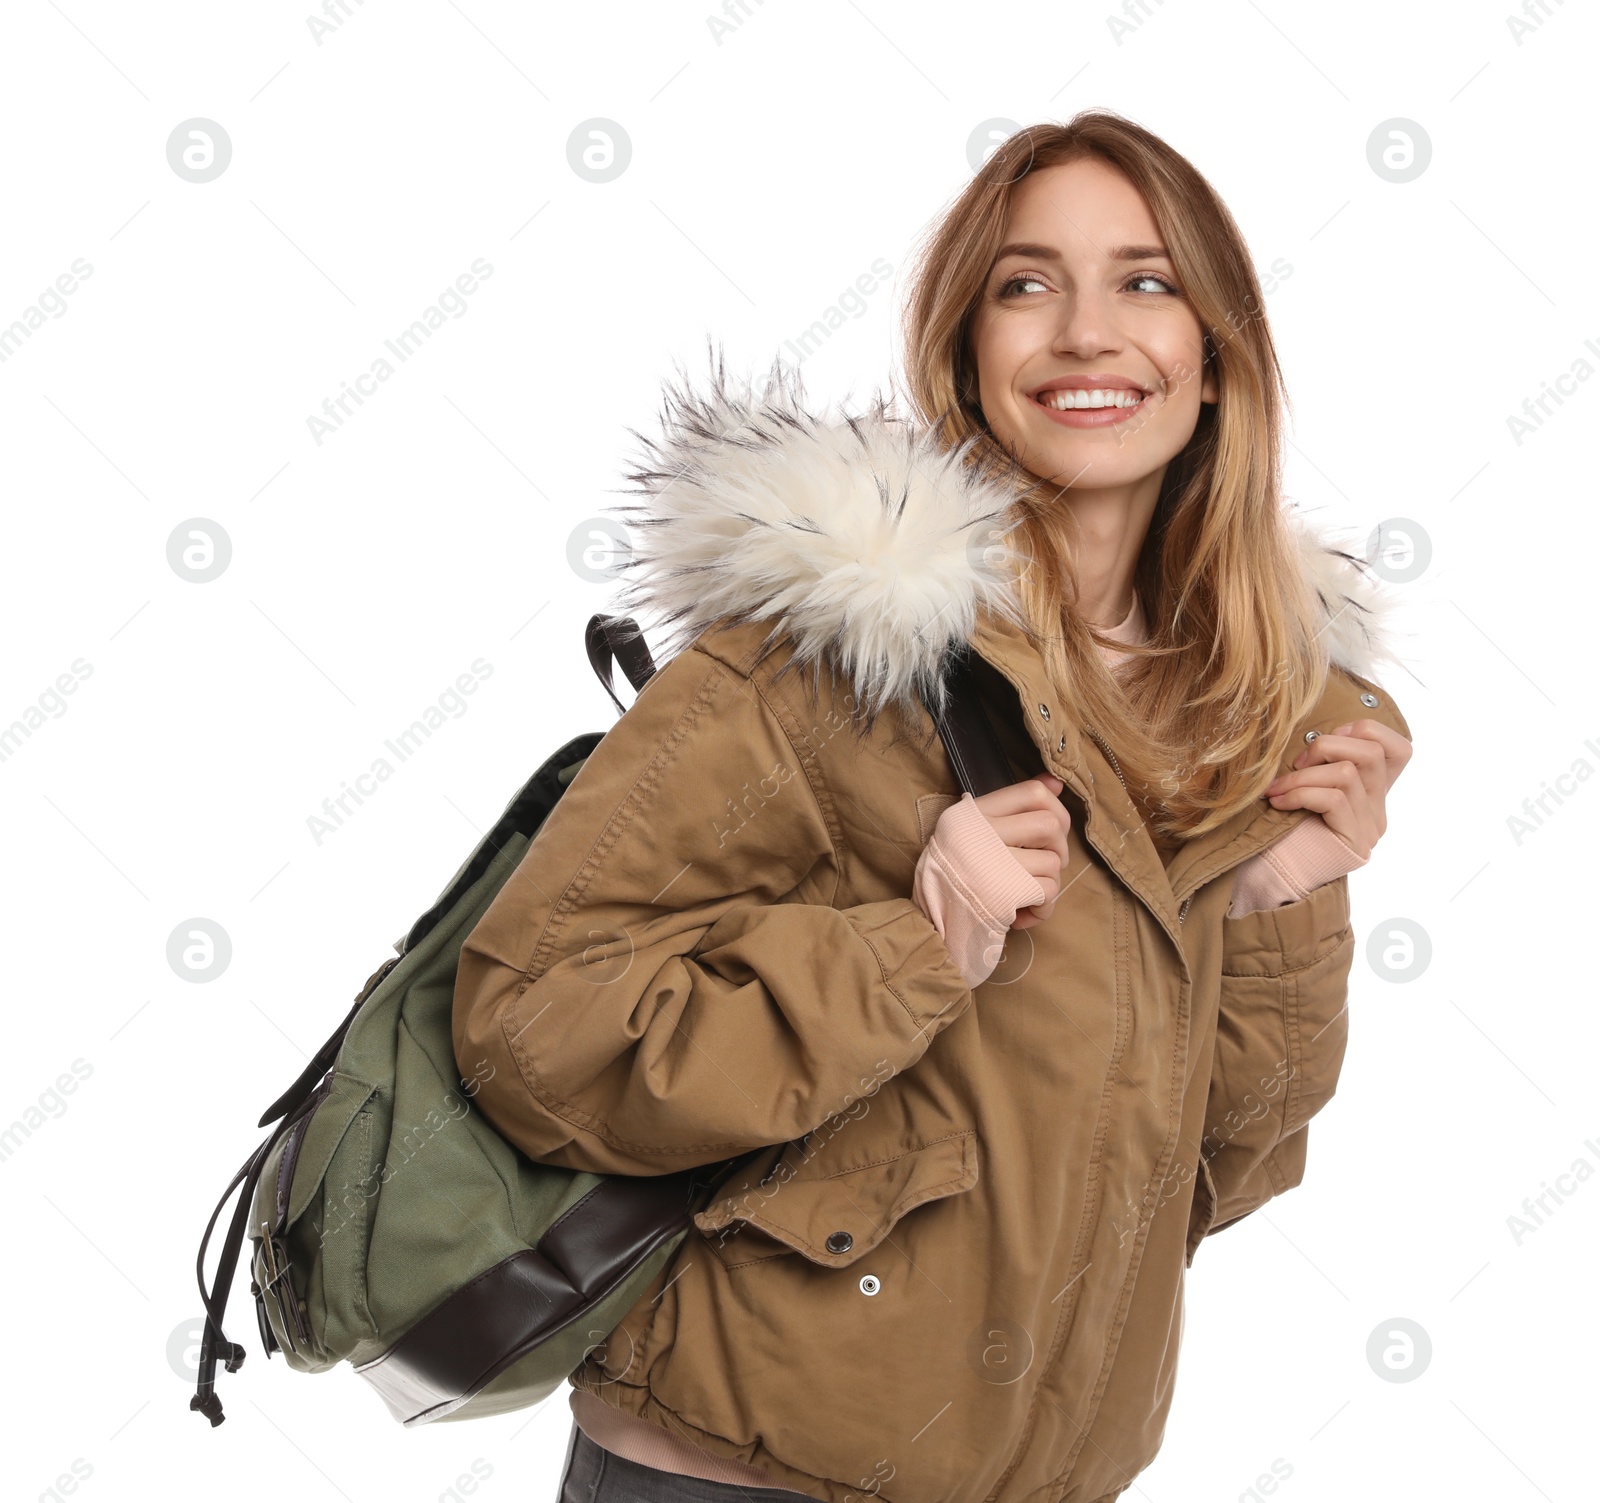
{"points": [[957, 1274]]}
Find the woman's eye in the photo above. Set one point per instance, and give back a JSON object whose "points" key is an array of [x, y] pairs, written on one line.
{"points": [[1023, 277], [1150, 276]]}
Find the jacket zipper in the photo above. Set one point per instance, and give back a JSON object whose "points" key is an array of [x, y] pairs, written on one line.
{"points": [[1116, 767], [1111, 757]]}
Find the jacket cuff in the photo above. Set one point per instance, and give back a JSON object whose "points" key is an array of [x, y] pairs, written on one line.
{"points": [[1292, 867], [971, 849], [917, 968], [970, 884]]}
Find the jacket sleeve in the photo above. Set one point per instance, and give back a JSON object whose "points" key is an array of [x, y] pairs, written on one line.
{"points": [[1282, 1023], [664, 981], [1281, 1035]]}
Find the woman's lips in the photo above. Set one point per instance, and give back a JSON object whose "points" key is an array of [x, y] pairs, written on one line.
{"points": [[1091, 417]]}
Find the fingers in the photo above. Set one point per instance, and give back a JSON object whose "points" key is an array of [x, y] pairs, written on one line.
{"points": [[1037, 838], [1032, 793], [1345, 776], [1045, 865], [1030, 813], [1336, 791], [1365, 758], [1396, 749], [1036, 830], [1035, 913]]}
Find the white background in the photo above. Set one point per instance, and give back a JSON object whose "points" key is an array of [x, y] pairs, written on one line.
{"points": [[769, 171]]}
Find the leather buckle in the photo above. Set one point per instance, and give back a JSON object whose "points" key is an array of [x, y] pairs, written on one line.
{"points": [[275, 1264]]}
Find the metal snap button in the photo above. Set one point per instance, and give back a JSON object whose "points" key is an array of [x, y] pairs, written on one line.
{"points": [[1061, 745], [1369, 700], [1312, 736], [1045, 711], [870, 1284], [840, 1242]]}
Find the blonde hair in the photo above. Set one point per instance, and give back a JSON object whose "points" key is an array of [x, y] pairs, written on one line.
{"points": [[1203, 713]]}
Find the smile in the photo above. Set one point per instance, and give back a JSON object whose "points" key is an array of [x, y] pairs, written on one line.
{"points": [[1099, 407]]}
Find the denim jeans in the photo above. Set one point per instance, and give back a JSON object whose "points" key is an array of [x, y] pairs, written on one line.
{"points": [[593, 1474]]}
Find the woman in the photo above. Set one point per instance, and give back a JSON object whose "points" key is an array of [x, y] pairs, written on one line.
{"points": [[764, 914]]}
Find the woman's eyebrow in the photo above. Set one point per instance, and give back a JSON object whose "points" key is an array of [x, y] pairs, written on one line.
{"points": [[1049, 253]]}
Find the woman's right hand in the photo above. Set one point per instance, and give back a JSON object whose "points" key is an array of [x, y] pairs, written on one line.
{"points": [[1030, 817]]}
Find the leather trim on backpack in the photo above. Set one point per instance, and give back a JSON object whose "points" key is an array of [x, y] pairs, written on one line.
{"points": [[463, 1343]]}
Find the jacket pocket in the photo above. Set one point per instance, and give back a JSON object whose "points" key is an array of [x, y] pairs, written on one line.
{"points": [[1294, 962], [833, 1215], [1274, 941]]}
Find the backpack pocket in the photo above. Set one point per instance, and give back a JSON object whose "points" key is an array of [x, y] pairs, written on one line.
{"points": [[308, 1224], [833, 1215]]}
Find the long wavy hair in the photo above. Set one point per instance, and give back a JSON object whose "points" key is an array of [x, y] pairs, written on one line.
{"points": [[1201, 716]]}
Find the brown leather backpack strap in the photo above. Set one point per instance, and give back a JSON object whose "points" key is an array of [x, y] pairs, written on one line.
{"points": [[464, 1343], [606, 637], [214, 1344], [969, 737]]}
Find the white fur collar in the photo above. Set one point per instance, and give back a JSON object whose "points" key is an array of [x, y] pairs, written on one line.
{"points": [[859, 539]]}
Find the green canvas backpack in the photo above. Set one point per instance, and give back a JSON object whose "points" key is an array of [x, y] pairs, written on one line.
{"points": [[392, 1227]]}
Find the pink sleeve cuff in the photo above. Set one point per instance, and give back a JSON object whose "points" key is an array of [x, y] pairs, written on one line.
{"points": [[1292, 867], [970, 885]]}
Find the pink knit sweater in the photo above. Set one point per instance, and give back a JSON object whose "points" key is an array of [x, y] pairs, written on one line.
{"points": [[971, 886]]}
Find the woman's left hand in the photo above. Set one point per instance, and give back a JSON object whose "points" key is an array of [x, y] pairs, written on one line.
{"points": [[1345, 775]]}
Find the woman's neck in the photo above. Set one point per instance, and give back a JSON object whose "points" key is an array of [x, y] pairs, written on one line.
{"points": [[1101, 532]]}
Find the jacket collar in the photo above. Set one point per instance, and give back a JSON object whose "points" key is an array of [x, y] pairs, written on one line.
{"points": [[856, 537]]}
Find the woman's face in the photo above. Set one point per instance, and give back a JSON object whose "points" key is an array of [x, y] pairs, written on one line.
{"points": [[1081, 298]]}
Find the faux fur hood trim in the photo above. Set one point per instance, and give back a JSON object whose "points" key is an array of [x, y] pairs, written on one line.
{"points": [[862, 540]]}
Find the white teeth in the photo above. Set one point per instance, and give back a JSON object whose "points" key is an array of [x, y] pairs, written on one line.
{"points": [[1100, 397]]}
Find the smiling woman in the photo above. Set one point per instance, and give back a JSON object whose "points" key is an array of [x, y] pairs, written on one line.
{"points": [[742, 929], [1094, 260]]}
